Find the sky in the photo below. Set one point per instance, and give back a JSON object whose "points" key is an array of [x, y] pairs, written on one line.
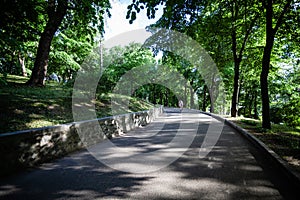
{"points": [[118, 23]]}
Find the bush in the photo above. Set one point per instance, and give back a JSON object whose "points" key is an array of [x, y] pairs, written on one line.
{"points": [[292, 111], [287, 113], [276, 114]]}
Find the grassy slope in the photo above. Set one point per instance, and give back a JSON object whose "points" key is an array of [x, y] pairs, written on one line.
{"points": [[283, 140], [23, 107]]}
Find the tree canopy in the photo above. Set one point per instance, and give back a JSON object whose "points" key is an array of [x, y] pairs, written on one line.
{"points": [[255, 45], [41, 21], [246, 38]]}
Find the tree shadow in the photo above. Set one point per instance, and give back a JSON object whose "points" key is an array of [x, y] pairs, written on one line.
{"points": [[79, 176], [234, 169]]}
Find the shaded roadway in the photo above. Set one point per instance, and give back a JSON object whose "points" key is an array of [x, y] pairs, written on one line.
{"points": [[234, 169]]}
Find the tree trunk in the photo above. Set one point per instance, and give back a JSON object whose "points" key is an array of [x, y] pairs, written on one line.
{"points": [[250, 105], [255, 106], [192, 97], [154, 94], [270, 35], [161, 97], [212, 106], [212, 96], [234, 100], [237, 55], [266, 66], [204, 98], [185, 93], [264, 85], [22, 63], [56, 14], [167, 97]]}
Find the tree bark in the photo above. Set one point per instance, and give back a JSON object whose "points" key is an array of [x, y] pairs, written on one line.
{"points": [[237, 55], [56, 14], [192, 97], [167, 97], [250, 105], [270, 36], [234, 100], [185, 93], [266, 66], [22, 63], [264, 83], [255, 106], [204, 98]]}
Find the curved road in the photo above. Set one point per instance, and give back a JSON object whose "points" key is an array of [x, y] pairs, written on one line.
{"points": [[160, 161]]}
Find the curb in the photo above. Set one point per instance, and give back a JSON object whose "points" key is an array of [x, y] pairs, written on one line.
{"points": [[281, 164]]}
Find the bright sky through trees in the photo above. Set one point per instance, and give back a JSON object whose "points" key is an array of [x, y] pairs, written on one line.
{"points": [[118, 23]]}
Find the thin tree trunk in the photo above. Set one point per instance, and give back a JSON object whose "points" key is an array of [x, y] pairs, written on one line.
{"points": [[154, 94], [167, 97], [234, 100], [212, 107], [101, 57], [204, 98], [22, 63], [192, 97], [161, 96], [255, 106], [211, 94], [250, 106], [185, 93], [237, 56]]}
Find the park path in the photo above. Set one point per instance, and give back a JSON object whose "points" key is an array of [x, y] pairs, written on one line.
{"points": [[233, 169]]}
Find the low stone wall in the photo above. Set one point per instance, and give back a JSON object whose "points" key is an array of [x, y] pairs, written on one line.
{"points": [[29, 148]]}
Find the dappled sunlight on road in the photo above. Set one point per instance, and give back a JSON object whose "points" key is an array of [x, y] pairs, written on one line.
{"points": [[232, 169]]}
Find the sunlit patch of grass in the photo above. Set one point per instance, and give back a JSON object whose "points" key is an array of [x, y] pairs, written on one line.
{"points": [[39, 104], [15, 79], [137, 105], [39, 123]]}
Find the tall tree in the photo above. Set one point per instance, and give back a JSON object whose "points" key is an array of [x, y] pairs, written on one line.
{"points": [[271, 30], [56, 11], [243, 19], [85, 14]]}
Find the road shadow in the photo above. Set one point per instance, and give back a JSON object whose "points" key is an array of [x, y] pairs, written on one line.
{"points": [[78, 176]]}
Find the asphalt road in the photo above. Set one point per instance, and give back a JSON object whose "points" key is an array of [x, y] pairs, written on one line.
{"points": [[163, 160]]}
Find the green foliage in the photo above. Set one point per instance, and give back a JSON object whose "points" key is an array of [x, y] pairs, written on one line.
{"points": [[20, 26], [24, 22], [239, 28], [119, 60], [68, 54]]}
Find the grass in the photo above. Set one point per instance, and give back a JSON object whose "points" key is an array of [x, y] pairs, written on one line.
{"points": [[23, 107], [282, 139]]}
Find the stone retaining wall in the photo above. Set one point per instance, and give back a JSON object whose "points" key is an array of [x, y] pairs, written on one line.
{"points": [[29, 148]]}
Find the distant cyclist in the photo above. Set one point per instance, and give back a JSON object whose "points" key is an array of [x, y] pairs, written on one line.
{"points": [[180, 104]]}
